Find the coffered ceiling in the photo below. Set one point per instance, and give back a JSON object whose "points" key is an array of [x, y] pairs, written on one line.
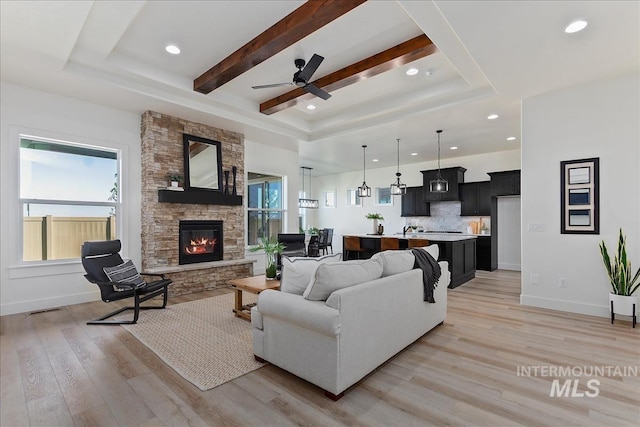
{"points": [[490, 55]]}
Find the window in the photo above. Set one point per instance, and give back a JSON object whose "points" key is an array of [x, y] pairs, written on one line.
{"points": [[383, 196], [353, 199], [265, 206], [68, 195], [328, 199]]}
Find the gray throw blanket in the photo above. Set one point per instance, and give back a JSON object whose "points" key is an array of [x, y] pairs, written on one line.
{"points": [[430, 272]]}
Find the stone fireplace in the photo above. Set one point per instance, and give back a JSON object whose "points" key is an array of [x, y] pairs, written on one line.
{"points": [[163, 210]]}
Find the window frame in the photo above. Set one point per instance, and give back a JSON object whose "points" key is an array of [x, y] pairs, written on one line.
{"points": [[358, 203], [376, 194], [37, 265], [283, 203], [11, 219]]}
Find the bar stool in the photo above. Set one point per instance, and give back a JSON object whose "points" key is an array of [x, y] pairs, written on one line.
{"points": [[389, 243], [352, 244], [418, 243]]}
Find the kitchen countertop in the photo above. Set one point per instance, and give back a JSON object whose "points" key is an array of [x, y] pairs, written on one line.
{"points": [[435, 237]]}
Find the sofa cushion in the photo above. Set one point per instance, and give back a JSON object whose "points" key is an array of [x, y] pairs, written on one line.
{"points": [[433, 250], [394, 262], [332, 276], [297, 272]]}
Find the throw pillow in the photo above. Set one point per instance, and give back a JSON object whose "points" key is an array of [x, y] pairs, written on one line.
{"points": [[394, 262], [333, 276], [297, 271], [125, 273], [433, 250]]}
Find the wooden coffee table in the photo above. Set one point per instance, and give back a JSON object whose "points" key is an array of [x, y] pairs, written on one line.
{"points": [[254, 285]]}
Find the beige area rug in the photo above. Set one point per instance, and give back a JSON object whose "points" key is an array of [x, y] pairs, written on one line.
{"points": [[201, 340]]}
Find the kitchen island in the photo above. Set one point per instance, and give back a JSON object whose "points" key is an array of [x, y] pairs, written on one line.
{"points": [[457, 249]]}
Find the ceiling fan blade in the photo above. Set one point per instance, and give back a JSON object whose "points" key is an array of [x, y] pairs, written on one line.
{"points": [[311, 67], [272, 85], [311, 88]]}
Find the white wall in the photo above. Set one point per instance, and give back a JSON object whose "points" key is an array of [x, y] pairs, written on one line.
{"points": [[509, 241], [596, 120], [351, 220], [33, 287]]}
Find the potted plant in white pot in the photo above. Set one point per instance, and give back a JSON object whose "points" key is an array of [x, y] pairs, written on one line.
{"points": [[624, 284], [271, 247], [375, 217], [174, 178]]}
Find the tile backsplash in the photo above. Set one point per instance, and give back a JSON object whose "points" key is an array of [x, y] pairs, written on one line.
{"points": [[445, 216]]}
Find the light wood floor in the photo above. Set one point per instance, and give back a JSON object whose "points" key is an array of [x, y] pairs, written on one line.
{"points": [[56, 371]]}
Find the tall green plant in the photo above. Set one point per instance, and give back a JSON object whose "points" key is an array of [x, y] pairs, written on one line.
{"points": [[271, 247], [619, 271]]}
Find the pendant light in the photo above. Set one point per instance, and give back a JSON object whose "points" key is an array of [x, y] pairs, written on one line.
{"points": [[397, 188], [438, 185], [364, 190], [303, 202]]}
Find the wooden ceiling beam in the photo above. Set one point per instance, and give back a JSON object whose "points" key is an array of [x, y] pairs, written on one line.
{"points": [[303, 21], [395, 57]]}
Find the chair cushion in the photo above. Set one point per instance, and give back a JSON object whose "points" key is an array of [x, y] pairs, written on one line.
{"points": [[125, 273], [297, 272], [333, 276]]}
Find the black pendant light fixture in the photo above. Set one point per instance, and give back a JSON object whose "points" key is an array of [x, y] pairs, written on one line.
{"points": [[364, 190], [398, 188], [438, 185], [303, 202]]}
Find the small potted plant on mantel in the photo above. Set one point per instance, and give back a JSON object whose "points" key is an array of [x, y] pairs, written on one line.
{"points": [[623, 283], [271, 247], [175, 179], [375, 217]]}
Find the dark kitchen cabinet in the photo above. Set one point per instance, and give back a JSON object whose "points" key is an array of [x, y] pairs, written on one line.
{"points": [[461, 256], [413, 203], [455, 176], [483, 253], [506, 183], [476, 199]]}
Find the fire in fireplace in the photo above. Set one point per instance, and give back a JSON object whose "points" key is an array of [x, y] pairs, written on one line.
{"points": [[200, 241]]}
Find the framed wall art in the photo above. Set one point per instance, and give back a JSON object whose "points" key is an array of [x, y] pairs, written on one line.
{"points": [[579, 196]]}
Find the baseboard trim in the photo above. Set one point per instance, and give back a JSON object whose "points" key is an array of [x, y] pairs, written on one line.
{"points": [[512, 267], [569, 306], [47, 303]]}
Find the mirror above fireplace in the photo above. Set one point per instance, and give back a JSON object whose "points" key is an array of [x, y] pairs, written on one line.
{"points": [[202, 163]]}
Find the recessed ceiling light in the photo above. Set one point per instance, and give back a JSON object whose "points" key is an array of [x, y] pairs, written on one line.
{"points": [[172, 49], [492, 117], [430, 72], [511, 138], [453, 148], [311, 107], [374, 160], [575, 26], [414, 154], [412, 71]]}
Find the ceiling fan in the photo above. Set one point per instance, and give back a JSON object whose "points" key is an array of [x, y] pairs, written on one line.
{"points": [[302, 76]]}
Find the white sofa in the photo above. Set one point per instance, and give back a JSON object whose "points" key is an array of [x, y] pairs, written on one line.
{"points": [[335, 343]]}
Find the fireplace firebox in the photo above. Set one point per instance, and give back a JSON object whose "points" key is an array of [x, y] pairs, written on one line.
{"points": [[200, 241]]}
